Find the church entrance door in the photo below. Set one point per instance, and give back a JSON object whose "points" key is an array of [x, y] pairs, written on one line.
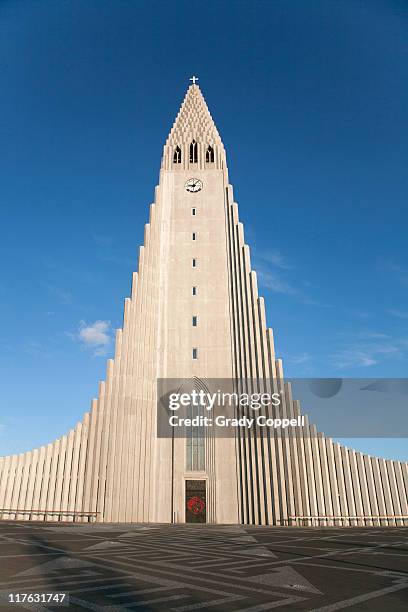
{"points": [[196, 504]]}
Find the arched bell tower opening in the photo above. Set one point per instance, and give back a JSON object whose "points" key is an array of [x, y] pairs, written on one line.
{"points": [[209, 155], [177, 155], [194, 152]]}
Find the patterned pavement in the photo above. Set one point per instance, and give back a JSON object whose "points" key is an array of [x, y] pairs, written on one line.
{"points": [[202, 567]]}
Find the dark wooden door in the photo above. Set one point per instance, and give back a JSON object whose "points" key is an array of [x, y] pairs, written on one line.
{"points": [[196, 504]]}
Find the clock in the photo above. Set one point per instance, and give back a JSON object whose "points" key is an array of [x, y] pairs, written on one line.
{"points": [[194, 185]]}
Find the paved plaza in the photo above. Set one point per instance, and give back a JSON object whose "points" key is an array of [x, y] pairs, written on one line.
{"points": [[202, 567]]}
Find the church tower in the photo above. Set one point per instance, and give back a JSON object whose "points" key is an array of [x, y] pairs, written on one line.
{"points": [[194, 314], [177, 325]]}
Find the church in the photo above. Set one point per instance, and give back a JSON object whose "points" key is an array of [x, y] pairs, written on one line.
{"points": [[195, 314]]}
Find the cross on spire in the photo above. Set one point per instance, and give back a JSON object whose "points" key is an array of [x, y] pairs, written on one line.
{"points": [[194, 79]]}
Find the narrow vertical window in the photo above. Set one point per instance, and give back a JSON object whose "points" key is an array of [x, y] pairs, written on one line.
{"points": [[194, 321], [193, 152], [195, 441], [194, 292], [194, 263], [209, 155], [194, 212], [194, 236], [177, 155], [195, 353]]}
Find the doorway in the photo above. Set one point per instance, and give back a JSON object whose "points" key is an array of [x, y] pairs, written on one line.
{"points": [[196, 504]]}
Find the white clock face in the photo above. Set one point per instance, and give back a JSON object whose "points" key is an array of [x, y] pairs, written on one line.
{"points": [[194, 185]]}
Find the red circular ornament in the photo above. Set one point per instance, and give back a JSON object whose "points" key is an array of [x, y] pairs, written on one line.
{"points": [[196, 505]]}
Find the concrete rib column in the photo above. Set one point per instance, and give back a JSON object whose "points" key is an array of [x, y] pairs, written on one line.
{"points": [[67, 473], [279, 444], [10, 482], [317, 470], [271, 373], [130, 409], [258, 431], [105, 404], [45, 483], [293, 435], [240, 362], [4, 475], [118, 484], [300, 442], [91, 465], [31, 482], [389, 466], [137, 295], [386, 491], [402, 491], [59, 477], [151, 326], [25, 474], [39, 481], [83, 454], [113, 440], [335, 495], [348, 484], [232, 220], [404, 469], [356, 487], [145, 276], [73, 481], [284, 444], [266, 387], [252, 510], [310, 471], [379, 490], [133, 403], [327, 492], [253, 442], [17, 482], [140, 502], [364, 489], [372, 494], [54, 456]]}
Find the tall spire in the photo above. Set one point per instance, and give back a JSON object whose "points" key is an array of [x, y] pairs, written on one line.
{"points": [[193, 123]]}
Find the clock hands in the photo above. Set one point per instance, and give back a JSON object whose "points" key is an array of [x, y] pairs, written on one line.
{"points": [[194, 185]]}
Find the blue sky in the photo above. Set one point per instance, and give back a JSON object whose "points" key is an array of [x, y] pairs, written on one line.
{"points": [[310, 99]]}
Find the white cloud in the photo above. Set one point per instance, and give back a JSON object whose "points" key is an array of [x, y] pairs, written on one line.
{"points": [[365, 355], [274, 282], [353, 357], [398, 313], [270, 266], [373, 335], [95, 336], [273, 268], [276, 259], [299, 359]]}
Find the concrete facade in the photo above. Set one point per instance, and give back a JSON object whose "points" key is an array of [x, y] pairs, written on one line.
{"points": [[112, 467]]}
